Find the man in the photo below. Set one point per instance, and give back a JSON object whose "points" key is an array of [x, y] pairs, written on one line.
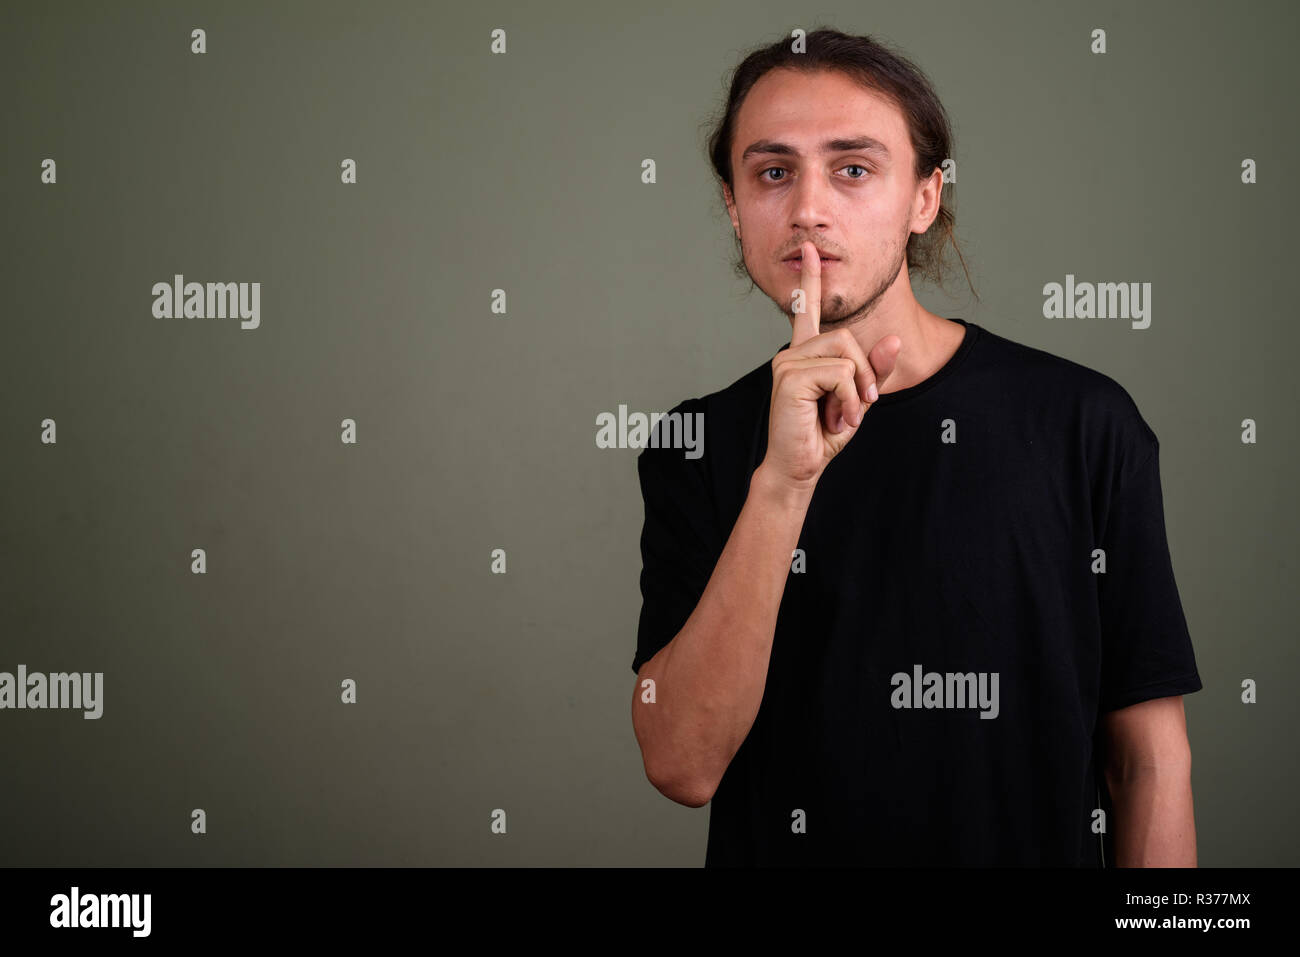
{"points": [[914, 605]]}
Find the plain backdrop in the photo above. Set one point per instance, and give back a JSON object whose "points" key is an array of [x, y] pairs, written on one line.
{"points": [[522, 172]]}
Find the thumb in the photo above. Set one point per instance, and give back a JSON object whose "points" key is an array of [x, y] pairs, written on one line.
{"points": [[883, 356]]}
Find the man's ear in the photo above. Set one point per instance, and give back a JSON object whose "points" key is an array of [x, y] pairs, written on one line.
{"points": [[929, 200], [731, 209]]}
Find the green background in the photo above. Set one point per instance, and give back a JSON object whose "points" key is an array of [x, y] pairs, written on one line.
{"points": [[476, 430]]}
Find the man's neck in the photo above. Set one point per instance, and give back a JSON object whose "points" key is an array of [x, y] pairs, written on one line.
{"points": [[934, 341], [929, 341]]}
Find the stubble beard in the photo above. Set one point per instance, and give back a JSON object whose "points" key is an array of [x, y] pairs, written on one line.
{"points": [[836, 312]]}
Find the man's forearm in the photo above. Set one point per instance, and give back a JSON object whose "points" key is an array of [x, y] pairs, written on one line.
{"points": [[710, 678], [1153, 820]]}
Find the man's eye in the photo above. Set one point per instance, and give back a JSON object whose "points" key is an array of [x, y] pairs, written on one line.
{"points": [[778, 169]]}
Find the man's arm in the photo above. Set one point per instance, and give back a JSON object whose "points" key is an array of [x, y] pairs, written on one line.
{"points": [[1149, 774], [709, 679]]}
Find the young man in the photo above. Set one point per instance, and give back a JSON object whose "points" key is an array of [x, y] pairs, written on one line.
{"points": [[914, 605]]}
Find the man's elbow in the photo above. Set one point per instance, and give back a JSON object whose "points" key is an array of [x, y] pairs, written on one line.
{"points": [[682, 790], [690, 794], [1172, 762], [1147, 740], [670, 781]]}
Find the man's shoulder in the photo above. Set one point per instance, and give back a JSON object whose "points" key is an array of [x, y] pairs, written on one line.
{"points": [[729, 416], [743, 395], [1049, 375], [1078, 396]]}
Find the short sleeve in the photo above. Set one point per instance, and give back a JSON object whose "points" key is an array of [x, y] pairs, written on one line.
{"points": [[680, 543], [1146, 647]]}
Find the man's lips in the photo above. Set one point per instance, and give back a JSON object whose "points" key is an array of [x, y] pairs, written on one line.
{"points": [[796, 264]]}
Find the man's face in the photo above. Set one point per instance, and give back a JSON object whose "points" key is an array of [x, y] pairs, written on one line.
{"points": [[854, 199]]}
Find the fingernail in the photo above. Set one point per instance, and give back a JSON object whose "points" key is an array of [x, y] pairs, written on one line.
{"points": [[872, 394]]}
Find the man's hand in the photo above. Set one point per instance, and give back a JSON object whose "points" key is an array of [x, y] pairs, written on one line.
{"points": [[822, 386]]}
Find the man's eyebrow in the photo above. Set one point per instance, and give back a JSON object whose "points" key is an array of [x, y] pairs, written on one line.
{"points": [[865, 144]]}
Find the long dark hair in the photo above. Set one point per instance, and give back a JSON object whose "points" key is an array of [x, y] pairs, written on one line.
{"points": [[877, 67]]}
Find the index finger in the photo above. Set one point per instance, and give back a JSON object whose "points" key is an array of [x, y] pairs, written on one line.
{"points": [[808, 322]]}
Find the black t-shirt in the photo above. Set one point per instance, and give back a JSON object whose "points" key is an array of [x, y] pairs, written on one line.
{"points": [[954, 536]]}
